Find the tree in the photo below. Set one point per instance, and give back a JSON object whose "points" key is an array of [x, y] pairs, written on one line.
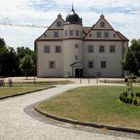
{"points": [[129, 61], [26, 65], [2, 43], [8, 59], [21, 52], [135, 47]]}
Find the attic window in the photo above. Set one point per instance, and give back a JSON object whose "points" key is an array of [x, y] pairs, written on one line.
{"points": [[56, 34], [90, 35], [99, 34], [106, 34], [45, 35], [114, 35], [102, 24], [58, 23]]}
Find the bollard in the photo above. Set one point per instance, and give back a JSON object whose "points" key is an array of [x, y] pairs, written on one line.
{"points": [[88, 81], [97, 81]]}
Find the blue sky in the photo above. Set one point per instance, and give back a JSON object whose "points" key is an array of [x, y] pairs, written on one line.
{"points": [[122, 15]]}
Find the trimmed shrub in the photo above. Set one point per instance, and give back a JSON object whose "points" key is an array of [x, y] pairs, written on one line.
{"points": [[137, 94], [132, 94], [135, 102]]}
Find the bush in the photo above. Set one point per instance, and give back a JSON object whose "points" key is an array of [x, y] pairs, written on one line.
{"points": [[135, 102], [132, 94], [137, 94], [125, 94]]}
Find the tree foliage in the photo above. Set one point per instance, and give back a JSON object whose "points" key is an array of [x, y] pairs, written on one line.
{"points": [[26, 65], [2, 43], [10, 59], [131, 60]]}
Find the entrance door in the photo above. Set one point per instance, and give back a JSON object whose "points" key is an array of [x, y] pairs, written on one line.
{"points": [[78, 73]]}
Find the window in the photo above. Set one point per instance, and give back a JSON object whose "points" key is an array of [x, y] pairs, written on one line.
{"points": [[58, 23], [66, 33], [52, 64], [90, 64], [114, 35], [112, 49], [71, 32], [46, 49], [77, 33], [56, 34], [106, 34], [45, 35], [90, 48], [76, 46], [101, 49], [99, 34], [90, 35], [58, 49], [102, 24], [103, 64], [76, 57]]}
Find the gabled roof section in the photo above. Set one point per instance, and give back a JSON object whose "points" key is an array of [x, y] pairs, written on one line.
{"points": [[102, 25], [122, 36], [86, 29], [53, 27]]}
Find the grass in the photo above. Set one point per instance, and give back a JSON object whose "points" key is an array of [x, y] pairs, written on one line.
{"points": [[98, 104], [19, 88]]}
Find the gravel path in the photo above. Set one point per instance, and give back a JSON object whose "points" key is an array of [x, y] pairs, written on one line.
{"points": [[15, 124]]}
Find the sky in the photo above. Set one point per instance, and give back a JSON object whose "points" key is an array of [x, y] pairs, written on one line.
{"points": [[123, 15]]}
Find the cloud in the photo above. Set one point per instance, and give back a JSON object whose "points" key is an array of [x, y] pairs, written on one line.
{"points": [[123, 16]]}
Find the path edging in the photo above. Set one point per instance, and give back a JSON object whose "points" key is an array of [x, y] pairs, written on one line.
{"points": [[90, 124], [24, 93]]}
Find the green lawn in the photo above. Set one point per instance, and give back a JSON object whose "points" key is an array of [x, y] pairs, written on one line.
{"points": [[19, 88], [94, 104]]}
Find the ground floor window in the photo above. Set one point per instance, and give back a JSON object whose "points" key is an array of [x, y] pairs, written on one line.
{"points": [[103, 64], [52, 64], [90, 64]]}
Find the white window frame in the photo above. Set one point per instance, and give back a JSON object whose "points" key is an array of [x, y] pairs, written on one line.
{"points": [[71, 32], [58, 50], [58, 23], [76, 46], [106, 34], [56, 34], [112, 49], [102, 49], [102, 24], [46, 49], [52, 66], [77, 33], [90, 48], [99, 34], [66, 33], [103, 64], [90, 64], [76, 57]]}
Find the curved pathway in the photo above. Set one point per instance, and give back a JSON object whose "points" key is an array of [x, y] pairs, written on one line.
{"points": [[15, 124]]}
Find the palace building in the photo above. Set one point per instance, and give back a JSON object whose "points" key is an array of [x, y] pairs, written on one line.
{"points": [[69, 49]]}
